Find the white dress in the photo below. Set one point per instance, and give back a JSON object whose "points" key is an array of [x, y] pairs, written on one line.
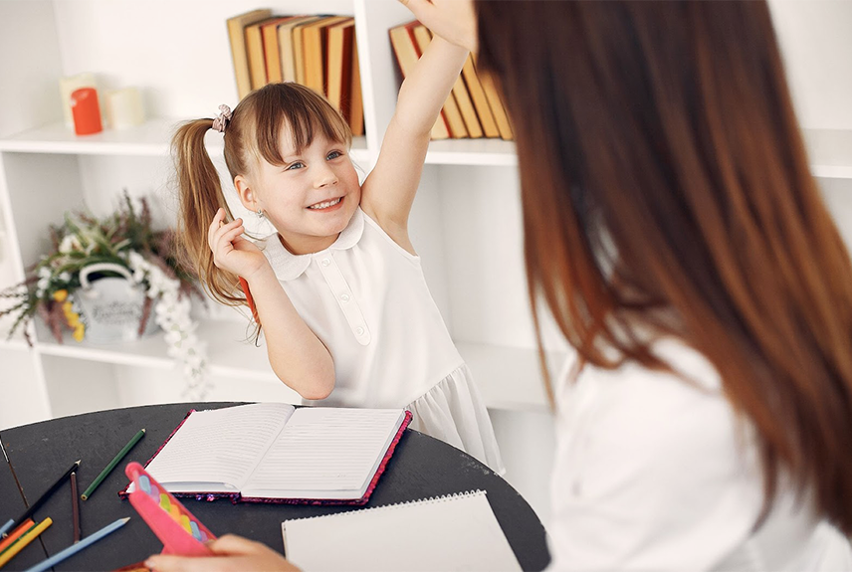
{"points": [[654, 474], [366, 299]]}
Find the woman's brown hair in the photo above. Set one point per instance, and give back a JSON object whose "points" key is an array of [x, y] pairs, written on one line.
{"points": [[252, 134], [666, 190]]}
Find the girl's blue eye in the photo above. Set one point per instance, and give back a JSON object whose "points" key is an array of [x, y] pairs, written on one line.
{"points": [[297, 164], [334, 155]]}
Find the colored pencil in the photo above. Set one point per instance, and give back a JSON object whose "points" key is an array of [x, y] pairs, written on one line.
{"points": [[75, 548], [16, 534], [75, 507], [9, 524], [24, 540], [108, 469], [35, 506]]}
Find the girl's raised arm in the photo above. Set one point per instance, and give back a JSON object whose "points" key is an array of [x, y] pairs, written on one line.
{"points": [[388, 192]]}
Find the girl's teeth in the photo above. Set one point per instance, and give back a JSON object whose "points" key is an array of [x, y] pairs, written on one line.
{"points": [[324, 205]]}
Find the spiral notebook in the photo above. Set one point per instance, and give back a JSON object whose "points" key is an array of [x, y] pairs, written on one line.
{"points": [[455, 532]]}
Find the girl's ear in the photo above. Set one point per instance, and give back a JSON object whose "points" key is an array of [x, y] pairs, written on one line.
{"points": [[247, 196]]}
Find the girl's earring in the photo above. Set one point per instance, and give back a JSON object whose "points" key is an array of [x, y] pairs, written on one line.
{"points": [[259, 213]]}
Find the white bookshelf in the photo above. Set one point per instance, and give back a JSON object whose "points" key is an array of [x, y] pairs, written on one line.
{"points": [[830, 152], [46, 170]]}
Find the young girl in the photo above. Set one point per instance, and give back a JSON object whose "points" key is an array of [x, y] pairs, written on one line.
{"points": [[338, 290]]}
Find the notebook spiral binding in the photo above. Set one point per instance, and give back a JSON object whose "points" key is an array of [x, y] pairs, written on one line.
{"points": [[427, 500]]}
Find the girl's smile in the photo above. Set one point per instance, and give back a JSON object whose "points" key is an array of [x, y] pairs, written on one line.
{"points": [[327, 206]]}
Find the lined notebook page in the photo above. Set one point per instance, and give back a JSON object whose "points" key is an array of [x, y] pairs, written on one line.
{"points": [[325, 449], [221, 445], [457, 532]]}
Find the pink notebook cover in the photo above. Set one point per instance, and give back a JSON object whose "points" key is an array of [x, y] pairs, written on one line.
{"points": [[236, 497]]}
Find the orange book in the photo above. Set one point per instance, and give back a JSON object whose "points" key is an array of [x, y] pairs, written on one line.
{"points": [[496, 103], [271, 49], [286, 47], [405, 49], [239, 54], [338, 70], [356, 106], [315, 48], [299, 50], [256, 56], [458, 125], [480, 101]]}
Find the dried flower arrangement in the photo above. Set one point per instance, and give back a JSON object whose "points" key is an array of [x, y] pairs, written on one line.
{"points": [[125, 238]]}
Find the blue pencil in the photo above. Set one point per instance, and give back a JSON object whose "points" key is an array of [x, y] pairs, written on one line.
{"points": [[75, 548], [7, 526]]}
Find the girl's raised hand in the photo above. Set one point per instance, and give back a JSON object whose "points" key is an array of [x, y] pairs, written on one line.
{"points": [[233, 554], [232, 252], [453, 20]]}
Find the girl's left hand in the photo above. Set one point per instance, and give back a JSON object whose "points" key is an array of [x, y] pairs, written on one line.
{"points": [[233, 554]]}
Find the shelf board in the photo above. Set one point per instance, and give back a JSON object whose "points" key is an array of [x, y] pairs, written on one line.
{"points": [[151, 139], [830, 152], [507, 377], [484, 152], [230, 354]]}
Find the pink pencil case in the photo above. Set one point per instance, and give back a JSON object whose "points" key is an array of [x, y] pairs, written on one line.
{"points": [[179, 531]]}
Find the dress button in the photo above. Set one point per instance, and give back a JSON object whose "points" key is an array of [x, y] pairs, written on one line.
{"points": [[326, 261], [344, 297], [359, 331]]}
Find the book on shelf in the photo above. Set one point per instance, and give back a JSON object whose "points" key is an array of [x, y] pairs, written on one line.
{"points": [[315, 48], [286, 45], [274, 452], [356, 105], [299, 48], [236, 35], [452, 532], [319, 52], [255, 53], [271, 49], [496, 103], [451, 109], [480, 101], [407, 54], [338, 73]]}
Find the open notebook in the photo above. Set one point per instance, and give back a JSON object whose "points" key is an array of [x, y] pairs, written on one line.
{"points": [[274, 452], [455, 532]]}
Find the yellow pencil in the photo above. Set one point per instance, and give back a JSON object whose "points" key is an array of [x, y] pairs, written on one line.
{"points": [[24, 540]]}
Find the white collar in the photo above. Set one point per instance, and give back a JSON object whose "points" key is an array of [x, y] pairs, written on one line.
{"points": [[288, 266]]}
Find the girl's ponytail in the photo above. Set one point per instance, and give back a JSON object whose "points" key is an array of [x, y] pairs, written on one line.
{"points": [[200, 196]]}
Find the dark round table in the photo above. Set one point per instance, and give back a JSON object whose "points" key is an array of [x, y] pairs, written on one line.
{"points": [[421, 467]]}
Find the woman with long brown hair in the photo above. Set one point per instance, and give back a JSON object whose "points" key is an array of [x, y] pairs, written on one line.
{"points": [[675, 233]]}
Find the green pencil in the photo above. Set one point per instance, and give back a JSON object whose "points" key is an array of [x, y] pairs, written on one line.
{"points": [[88, 492]]}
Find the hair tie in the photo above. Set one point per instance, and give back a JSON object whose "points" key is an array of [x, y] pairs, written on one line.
{"points": [[222, 119]]}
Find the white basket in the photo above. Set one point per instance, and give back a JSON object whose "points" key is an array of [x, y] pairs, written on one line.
{"points": [[112, 307]]}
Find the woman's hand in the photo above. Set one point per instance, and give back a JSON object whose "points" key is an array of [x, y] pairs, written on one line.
{"points": [[232, 252], [453, 20], [233, 554]]}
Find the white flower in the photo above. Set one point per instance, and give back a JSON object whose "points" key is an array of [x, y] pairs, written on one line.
{"points": [[172, 314], [65, 276], [70, 243]]}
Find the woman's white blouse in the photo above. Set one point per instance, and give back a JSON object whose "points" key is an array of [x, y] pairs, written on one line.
{"points": [[653, 473]]}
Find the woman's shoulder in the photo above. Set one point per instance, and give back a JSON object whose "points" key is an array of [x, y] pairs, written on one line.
{"points": [[656, 463], [680, 408]]}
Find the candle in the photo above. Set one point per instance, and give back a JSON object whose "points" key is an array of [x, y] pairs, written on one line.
{"points": [[124, 108], [67, 86], [86, 111]]}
